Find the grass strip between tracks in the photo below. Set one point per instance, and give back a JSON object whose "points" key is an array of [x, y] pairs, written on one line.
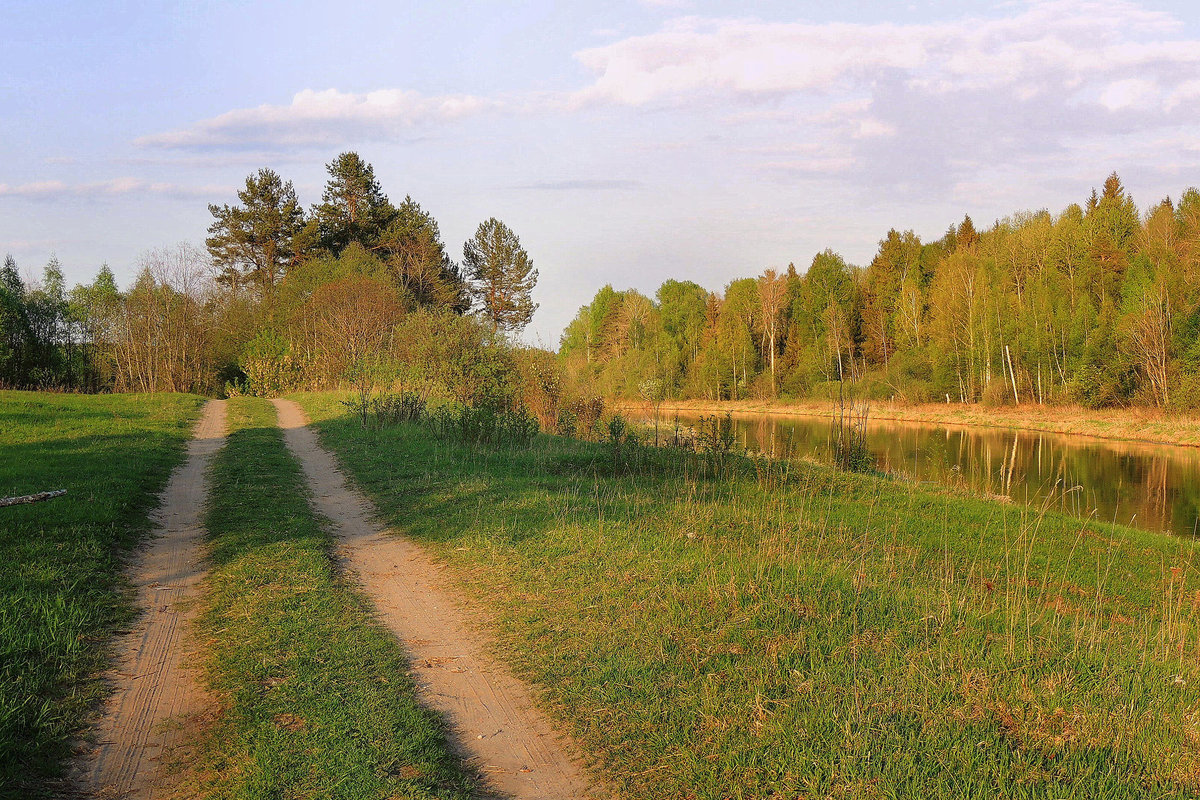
{"points": [[315, 698]]}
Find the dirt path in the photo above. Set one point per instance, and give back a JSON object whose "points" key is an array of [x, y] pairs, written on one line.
{"points": [[140, 734], [491, 716]]}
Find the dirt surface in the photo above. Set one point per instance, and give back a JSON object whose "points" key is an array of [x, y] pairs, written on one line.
{"points": [[491, 716], [140, 735]]}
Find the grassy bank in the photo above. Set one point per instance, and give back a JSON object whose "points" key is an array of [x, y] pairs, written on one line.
{"points": [[797, 632], [62, 593], [1135, 424], [315, 698]]}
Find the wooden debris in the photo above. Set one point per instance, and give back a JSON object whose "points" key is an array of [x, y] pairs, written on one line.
{"points": [[31, 498]]}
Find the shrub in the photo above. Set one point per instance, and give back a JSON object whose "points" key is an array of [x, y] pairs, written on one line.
{"points": [[584, 414], [269, 366]]}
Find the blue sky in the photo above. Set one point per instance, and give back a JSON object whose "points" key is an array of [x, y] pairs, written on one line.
{"points": [[625, 142]]}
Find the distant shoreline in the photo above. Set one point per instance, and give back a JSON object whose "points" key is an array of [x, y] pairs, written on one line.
{"points": [[1134, 425]]}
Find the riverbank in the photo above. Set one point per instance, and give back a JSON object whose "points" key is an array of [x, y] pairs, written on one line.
{"points": [[1135, 425], [725, 628]]}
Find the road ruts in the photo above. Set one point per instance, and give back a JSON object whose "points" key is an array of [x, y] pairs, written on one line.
{"points": [[133, 745], [494, 724]]}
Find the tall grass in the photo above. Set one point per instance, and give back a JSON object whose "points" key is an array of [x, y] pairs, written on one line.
{"points": [[62, 593], [790, 630]]}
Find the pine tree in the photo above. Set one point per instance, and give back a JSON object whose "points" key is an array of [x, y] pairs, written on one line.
{"points": [[255, 243], [501, 276], [354, 207]]}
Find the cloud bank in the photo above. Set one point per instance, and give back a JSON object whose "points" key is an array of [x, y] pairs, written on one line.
{"points": [[902, 104]]}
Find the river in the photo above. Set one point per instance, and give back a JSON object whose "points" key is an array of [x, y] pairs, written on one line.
{"points": [[1150, 486]]}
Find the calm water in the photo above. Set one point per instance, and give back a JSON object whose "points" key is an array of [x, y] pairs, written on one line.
{"points": [[1150, 486]]}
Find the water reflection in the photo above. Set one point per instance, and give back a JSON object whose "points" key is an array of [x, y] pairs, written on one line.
{"points": [[1156, 487]]}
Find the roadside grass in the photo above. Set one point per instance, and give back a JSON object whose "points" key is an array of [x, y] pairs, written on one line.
{"points": [[791, 631], [315, 699], [62, 591]]}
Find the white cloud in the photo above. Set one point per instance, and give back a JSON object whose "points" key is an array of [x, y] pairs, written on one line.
{"points": [[693, 57], [913, 105], [322, 117], [1063, 45], [921, 106]]}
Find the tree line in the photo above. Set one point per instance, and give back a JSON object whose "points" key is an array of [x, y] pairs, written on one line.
{"points": [[1098, 305], [282, 298]]}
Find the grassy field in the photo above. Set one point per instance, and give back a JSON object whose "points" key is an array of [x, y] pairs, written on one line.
{"points": [[790, 631], [61, 588], [315, 699], [1132, 424]]}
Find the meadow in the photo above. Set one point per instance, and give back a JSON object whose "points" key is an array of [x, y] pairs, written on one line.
{"points": [[62, 591], [738, 628]]}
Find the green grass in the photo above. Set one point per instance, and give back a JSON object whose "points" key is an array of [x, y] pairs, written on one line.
{"points": [[62, 592], [799, 632], [315, 697]]}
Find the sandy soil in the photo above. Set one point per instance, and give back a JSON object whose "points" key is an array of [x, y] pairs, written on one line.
{"points": [[141, 734], [1136, 425], [491, 716]]}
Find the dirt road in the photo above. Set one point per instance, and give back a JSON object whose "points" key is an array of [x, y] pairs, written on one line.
{"points": [[137, 739], [491, 716]]}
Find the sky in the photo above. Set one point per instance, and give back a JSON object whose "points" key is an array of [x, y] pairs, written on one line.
{"points": [[624, 141]]}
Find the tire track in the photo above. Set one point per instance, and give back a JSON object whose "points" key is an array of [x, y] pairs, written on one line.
{"points": [[492, 719], [143, 725]]}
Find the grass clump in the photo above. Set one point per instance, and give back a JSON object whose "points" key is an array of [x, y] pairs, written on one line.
{"points": [[62, 592], [315, 698], [799, 631]]}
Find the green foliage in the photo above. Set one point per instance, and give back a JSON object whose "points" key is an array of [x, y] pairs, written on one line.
{"points": [[501, 276], [1093, 306], [269, 366], [254, 243], [353, 207], [392, 407]]}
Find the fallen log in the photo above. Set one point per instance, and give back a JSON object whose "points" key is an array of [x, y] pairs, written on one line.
{"points": [[31, 498]]}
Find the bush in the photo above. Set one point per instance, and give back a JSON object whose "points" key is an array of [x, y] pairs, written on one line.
{"points": [[1095, 388], [269, 366], [997, 393], [585, 414]]}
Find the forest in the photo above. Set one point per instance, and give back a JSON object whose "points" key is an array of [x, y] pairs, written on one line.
{"points": [[355, 291], [1098, 305]]}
